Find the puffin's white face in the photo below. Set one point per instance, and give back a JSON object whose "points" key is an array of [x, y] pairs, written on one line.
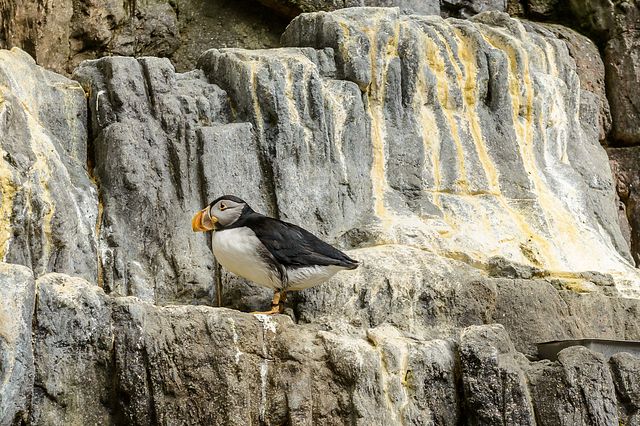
{"points": [[217, 215]]}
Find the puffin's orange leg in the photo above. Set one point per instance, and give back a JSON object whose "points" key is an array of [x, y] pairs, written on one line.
{"points": [[277, 305], [283, 298]]}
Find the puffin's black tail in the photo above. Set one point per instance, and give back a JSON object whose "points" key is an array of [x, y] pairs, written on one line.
{"points": [[347, 262]]}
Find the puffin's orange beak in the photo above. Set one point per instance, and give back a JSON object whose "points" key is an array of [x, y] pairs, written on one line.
{"points": [[202, 222]]}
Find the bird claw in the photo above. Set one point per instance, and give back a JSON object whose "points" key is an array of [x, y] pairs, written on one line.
{"points": [[277, 309], [277, 304]]}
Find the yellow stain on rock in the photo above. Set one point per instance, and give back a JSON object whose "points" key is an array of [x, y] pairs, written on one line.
{"points": [[38, 181], [376, 94], [337, 102], [437, 64], [469, 77], [8, 190], [537, 248]]}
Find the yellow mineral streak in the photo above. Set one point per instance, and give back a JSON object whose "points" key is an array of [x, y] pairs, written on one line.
{"points": [[294, 116], [40, 173], [536, 248], [470, 96], [253, 65], [376, 94], [558, 220], [437, 64], [550, 55], [430, 131], [382, 339], [468, 76], [337, 102], [8, 191], [290, 85], [430, 142]]}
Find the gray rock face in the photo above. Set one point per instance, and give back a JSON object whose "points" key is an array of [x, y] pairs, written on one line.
{"points": [[617, 28], [297, 114], [459, 161], [73, 349], [17, 299], [61, 36], [578, 390], [625, 164], [591, 71], [542, 8], [468, 8], [494, 385], [130, 362], [215, 366], [446, 8], [411, 292], [623, 81], [625, 369], [49, 205], [150, 155], [344, 114], [468, 158]]}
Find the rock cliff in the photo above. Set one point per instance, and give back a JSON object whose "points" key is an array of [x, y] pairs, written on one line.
{"points": [[458, 160]]}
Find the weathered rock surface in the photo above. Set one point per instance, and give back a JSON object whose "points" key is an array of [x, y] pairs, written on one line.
{"points": [[625, 369], [296, 7], [616, 27], [351, 107], [625, 164], [541, 8], [150, 160], [74, 348], [468, 8], [49, 206], [422, 294], [577, 390], [61, 35], [495, 387], [466, 170], [17, 299], [591, 71], [459, 161], [207, 24], [143, 364], [445, 8]]}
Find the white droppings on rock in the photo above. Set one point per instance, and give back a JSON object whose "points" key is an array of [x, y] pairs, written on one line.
{"points": [[264, 370], [267, 323], [234, 336]]}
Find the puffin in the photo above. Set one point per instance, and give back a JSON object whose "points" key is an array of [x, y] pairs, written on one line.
{"points": [[269, 252]]}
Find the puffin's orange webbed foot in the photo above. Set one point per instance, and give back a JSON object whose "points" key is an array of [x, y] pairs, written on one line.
{"points": [[277, 304]]}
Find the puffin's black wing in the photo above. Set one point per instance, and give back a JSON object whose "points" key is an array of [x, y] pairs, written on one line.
{"points": [[294, 246]]}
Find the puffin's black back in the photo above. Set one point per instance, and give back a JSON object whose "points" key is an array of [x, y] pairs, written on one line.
{"points": [[291, 245]]}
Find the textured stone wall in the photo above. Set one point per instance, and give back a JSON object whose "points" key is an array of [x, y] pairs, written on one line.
{"points": [[123, 361], [61, 34], [17, 293], [449, 150], [625, 164], [458, 160], [49, 204]]}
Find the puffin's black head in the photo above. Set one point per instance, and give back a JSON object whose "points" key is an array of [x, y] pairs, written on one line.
{"points": [[221, 213]]}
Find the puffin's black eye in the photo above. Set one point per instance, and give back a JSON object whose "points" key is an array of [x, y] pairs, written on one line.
{"points": [[223, 207]]}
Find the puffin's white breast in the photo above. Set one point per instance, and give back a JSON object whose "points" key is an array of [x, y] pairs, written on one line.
{"points": [[309, 276], [238, 251]]}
